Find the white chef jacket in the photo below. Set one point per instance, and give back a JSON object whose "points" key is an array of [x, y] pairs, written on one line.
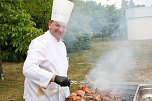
{"points": [[46, 56]]}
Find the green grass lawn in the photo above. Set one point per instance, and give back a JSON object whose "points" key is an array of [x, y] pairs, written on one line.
{"points": [[12, 87], [80, 64]]}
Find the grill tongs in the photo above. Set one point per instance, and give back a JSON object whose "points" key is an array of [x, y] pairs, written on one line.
{"points": [[79, 82]]}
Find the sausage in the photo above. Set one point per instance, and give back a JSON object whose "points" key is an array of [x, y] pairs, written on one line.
{"points": [[80, 93], [87, 98], [72, 97], [83, 87], [89, 92]]}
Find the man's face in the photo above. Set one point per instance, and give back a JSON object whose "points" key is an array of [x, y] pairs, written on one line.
{"points": [[57, 29]]}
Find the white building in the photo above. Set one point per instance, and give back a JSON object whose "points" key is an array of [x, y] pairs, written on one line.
{"points": [[139, 23]]}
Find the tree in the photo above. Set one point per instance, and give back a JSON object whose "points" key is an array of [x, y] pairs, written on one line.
{"points": [[98, 21], [1, 70], [80, 18], [112, 16], [40, 10], [131, 4], [17, 29], [90, 17], [123, 21]]}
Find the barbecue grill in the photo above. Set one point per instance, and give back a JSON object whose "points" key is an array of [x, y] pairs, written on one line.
{"points": [[130, 91], [135, 91]]}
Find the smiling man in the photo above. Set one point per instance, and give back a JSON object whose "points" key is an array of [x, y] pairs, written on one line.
{"points": [[45, 68], [57, 29]]}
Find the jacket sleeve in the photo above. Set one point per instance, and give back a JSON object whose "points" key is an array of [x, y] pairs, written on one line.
{"points": [[66, 91], [31, 67]]}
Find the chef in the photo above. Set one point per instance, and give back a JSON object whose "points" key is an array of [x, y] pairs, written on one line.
{"points": [[45, 68]]}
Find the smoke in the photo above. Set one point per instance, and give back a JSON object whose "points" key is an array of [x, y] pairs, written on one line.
{"points": [[88, 17], [111, 68]]}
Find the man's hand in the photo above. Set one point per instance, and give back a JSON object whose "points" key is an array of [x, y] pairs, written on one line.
{"points": [[62, 81], [67, 99]]}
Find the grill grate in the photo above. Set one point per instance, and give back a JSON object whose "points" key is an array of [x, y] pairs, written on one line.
{"points": [[128, 91]]}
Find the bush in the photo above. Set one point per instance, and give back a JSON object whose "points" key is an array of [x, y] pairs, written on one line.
{"points": [[76, 42], [10, 56]]}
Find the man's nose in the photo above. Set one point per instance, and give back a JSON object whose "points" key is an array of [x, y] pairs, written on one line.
{"points": [[61, 29]]}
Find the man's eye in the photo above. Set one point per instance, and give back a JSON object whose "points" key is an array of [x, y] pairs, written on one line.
{"points": [[64, 27], [57, 25]]}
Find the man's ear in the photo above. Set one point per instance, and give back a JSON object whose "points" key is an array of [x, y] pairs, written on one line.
{"points": [[49, 23]]}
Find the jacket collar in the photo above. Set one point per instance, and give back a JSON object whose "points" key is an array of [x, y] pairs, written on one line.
{"points": [[48, 33]]}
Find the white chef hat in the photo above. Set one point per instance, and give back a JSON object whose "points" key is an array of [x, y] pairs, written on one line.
{"points": [[61, 10]]}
